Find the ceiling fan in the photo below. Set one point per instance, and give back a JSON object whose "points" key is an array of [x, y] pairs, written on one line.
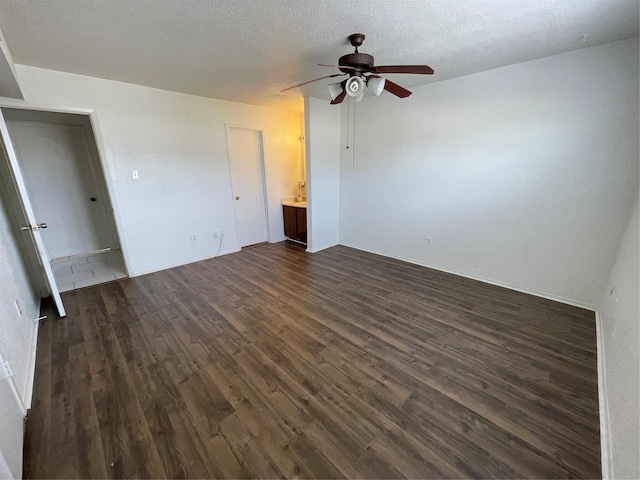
{"points": [[362, 72]]}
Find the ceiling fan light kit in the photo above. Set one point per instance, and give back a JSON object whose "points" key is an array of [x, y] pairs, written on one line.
{"points": [[362, 71]]}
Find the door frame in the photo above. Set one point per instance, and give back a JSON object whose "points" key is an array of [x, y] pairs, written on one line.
{"points": [[264, 169], [94, 122]]}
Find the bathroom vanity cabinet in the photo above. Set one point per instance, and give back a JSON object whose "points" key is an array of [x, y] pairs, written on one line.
{"points": [[295, 223]]}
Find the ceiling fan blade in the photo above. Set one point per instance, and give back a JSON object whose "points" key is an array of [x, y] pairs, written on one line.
{"points": [[396, 89], [339, 98], [314, 80], [415, 69], [338, 66]]}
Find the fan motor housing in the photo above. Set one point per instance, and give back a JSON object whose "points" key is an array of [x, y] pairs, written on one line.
{"points": [[357, 60]]}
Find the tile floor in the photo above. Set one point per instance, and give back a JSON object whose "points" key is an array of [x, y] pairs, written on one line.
{"points": [[78, 272]]}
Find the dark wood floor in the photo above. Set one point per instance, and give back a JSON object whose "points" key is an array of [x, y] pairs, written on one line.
{"points": [[273, 362]]}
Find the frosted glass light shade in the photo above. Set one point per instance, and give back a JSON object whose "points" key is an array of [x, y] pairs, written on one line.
{"points": [[376, 85], [354, 86]]}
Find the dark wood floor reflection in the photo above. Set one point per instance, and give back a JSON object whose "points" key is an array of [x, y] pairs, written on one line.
{"points": [[273, 362]]}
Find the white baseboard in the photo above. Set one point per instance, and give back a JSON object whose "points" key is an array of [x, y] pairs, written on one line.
{"points": [[603, 405], [316, 250], [139, 273], [548, 296]]}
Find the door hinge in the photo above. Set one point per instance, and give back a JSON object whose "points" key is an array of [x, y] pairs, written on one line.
{"points": [[5, 370]]}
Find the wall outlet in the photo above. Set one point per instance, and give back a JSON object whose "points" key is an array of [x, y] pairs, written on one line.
{"points": [[134, 174], [194, 238], [429, 241], [215, 235]]}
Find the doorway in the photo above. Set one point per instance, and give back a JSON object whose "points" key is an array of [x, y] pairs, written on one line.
{"points": [[62, 179], [246, 163]]}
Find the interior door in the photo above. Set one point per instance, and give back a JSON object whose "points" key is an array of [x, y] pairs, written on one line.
{"points": [[247, 176], [31, 226]]}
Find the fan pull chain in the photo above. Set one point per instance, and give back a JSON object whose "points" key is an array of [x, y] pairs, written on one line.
{"points": [[348, 120], [353, 152]]}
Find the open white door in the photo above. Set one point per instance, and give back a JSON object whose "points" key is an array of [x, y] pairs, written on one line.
{"points": [[31, 226]]}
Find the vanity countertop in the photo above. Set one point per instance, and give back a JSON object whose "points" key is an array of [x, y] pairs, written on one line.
{"points": [[292, 202]]}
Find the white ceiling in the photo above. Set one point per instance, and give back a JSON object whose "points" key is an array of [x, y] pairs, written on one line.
{"points": [[248, 50]]}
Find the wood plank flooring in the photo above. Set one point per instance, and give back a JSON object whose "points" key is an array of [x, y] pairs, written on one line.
{"points": [[272, 362]]}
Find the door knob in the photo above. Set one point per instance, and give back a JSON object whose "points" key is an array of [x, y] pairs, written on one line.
{"points": [[237, 197], [35, 227]]}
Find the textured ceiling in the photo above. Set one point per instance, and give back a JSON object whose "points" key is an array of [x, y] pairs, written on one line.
{"points": [[248, 50]]}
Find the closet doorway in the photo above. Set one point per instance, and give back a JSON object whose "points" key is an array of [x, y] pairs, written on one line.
{"points": [[60, 165], [247, 165]]}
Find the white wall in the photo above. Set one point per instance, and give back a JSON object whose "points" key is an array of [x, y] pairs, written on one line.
{"points": [[620, 326], [9, 86], [11, 431], [18, 334], [523, 176], [5, 471], [177, 143], [322, 132]]}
